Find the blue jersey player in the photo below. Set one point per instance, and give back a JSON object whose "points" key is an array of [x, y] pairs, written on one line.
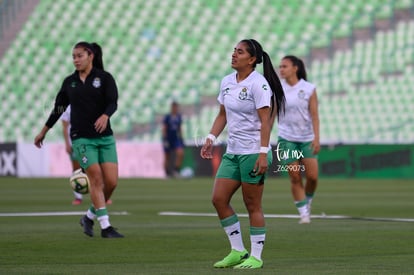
{"points": [[173, 140]]}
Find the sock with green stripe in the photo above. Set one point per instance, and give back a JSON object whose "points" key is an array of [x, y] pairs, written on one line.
{"points": [[103, 217], [257, 239], [91, 213], [302, 207], [231, 226], [309, 197]]}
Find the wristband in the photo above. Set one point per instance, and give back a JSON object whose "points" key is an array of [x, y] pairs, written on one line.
{"points": [[264, 149], [212, 137]]}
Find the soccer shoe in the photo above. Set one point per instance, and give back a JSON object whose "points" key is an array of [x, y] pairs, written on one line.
{"points": [[110, 232], [235, 257], [76, 201], [87, 225], [304, 219], [250, 263]]}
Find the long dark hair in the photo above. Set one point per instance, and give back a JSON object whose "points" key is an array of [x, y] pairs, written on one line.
{"points": [[255, 49], [95, 49], [297, 62]]}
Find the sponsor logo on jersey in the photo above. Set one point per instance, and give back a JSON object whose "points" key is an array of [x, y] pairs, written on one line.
{"points": [[96, 82], [243, 94]]}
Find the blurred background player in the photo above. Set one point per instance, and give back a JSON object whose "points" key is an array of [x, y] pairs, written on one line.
{"points": [[299, 132], [65, 118], [173, 141]]}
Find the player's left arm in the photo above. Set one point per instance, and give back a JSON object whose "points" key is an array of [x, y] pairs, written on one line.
{"points": [[264, 116], [313, 109], [111, 98]]}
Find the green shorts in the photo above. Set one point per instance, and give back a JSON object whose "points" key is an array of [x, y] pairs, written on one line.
{"points": [[240, 168], [290, 151], [95, 150]]}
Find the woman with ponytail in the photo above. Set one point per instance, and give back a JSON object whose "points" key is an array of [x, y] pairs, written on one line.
{"points": [[299, 133], [249, 103], [93, 95]]}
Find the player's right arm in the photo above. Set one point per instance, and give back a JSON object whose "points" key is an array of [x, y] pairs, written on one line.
{"points": [[38, 141], [218, 126], [61, 103]]}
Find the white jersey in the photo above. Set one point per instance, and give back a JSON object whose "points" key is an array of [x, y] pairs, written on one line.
{"points": [[66, 117], [296, 123], [241, 101]]}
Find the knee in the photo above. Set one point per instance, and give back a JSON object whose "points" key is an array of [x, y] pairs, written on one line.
{"points": [[253, 206], [111, 183], [312, 180], [295, 180], [96, 180], [215, 201], [218, 201]]}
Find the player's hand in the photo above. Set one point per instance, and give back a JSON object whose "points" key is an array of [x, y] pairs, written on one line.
{"points": [[261, 164], [38, 141], [315, 146], [207, 149], [68, 148], [101, 123]]}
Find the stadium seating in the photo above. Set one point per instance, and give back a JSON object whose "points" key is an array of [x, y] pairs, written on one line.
{"points": [[163, 50]]}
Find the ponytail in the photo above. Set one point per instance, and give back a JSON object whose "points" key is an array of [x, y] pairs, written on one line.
{"points": [[274, 82], [97, 60], [278, 97]]}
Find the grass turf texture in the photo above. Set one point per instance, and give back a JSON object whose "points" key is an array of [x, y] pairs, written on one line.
{"points": [[155, 244]]}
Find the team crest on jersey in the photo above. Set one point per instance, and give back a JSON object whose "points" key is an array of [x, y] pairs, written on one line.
{"points": [[301, 94], [73, 84], [243, 94], [96, 82]]}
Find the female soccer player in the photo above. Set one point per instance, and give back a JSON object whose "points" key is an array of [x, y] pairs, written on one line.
{"points": [[93, 95], [65, 118], [173, 140], [249, 103], [299, 133]]}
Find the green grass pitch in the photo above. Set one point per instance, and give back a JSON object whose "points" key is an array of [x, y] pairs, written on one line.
{"points": [[159, 244]]}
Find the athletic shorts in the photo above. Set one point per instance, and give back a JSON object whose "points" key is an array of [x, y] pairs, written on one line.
{"points": [[95, 150], [290, 151], [172, 144], [240, 168]]}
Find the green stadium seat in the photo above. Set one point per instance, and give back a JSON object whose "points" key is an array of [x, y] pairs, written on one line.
{"points": [[159, 50]]}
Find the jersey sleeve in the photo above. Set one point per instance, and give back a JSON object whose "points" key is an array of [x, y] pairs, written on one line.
{"points": [[166, 120], [262, 93], [220, 97], [66, 115], [111, 95], [61, 103]]}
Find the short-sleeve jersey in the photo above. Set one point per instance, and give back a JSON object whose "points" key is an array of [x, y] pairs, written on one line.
{"points": [[173, 125], [66, 117], [295, 124], [241, 101]]}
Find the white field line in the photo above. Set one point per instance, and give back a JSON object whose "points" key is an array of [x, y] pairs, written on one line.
{"points": [[322, 216], [49, 214]]}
